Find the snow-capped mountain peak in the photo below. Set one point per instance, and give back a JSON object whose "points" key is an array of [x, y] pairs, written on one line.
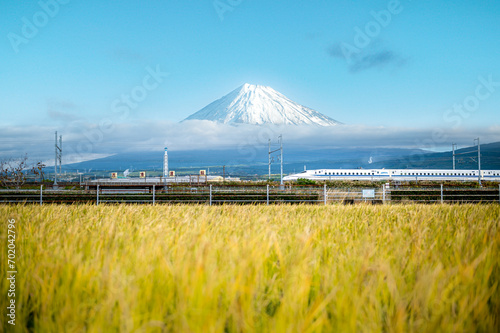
{"points": [[258, 105]]}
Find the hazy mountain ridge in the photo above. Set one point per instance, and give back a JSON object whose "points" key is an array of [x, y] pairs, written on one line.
{"points": [[240, 162]]}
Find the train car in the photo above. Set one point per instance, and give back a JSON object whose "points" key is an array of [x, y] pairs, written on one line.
{"points": [[396, 174]]}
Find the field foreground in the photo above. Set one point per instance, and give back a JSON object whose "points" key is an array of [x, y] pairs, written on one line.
{"points": [[408, 268]]}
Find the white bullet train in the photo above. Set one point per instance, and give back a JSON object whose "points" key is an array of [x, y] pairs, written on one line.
{"points": [[395, 174]]}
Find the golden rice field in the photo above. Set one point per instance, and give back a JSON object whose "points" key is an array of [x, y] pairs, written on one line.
{"points": [[124, 268]]}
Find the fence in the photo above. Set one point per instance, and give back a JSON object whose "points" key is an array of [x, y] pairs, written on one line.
{"points": [[216, 195]]}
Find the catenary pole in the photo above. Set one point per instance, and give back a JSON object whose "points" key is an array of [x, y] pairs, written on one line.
{"points": [[281, 158]]}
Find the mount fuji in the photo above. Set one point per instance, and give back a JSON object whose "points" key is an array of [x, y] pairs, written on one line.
{"points": [[259, 105]]}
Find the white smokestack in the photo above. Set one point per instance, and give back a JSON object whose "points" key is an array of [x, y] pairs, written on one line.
{"points": [[165, 163]]}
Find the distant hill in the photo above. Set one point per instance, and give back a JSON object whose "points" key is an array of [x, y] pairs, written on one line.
{"points": [[254, 160], [246, 160], [466, 158]]}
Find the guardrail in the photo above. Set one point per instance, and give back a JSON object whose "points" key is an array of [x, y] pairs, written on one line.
{"points": [[216, 195]]}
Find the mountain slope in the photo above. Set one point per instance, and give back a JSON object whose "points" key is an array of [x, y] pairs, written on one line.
{"points": [[258, 105]]}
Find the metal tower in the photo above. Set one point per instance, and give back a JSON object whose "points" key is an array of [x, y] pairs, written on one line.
{"points": [[279, 158], [165, 163], [58, 158]]}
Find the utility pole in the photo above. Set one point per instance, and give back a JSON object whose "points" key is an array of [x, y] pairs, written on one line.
{"points": [[281, 158], [269, 159], [60, 154], [55, 163], [453, 146], [478, 160], [58, 157]]}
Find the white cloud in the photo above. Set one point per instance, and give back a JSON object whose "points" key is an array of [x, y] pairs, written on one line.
{"points": [[83, 141]]}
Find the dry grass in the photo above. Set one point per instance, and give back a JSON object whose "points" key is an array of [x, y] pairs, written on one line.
{"points": [[410, 268]]}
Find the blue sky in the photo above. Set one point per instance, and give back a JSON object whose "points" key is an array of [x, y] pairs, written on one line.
{"points": [[409, 72]]}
